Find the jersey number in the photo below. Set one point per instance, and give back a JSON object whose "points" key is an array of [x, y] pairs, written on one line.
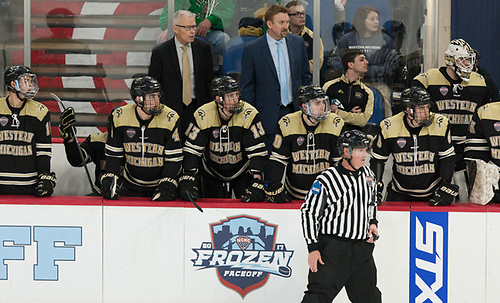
{"points": [[257, 130]]}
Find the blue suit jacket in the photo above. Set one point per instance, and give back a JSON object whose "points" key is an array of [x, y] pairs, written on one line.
{"points": [[259, 81]]}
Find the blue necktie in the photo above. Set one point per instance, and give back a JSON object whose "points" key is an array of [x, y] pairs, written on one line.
{"points": [[282, 75]]}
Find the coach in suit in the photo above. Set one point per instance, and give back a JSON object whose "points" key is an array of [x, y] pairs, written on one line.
{"points": [[185, 89], [273, 68]]}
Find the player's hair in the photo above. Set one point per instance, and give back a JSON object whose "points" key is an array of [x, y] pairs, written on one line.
{"points": [[180, 13], [349, 56], [295, 3], [359, 18], [273, 10]]}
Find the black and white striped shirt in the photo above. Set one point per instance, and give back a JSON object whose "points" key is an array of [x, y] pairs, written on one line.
{"points": [[340, 203]]}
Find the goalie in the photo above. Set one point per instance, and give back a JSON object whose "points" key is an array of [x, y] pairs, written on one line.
{"points": [[482, 153]]}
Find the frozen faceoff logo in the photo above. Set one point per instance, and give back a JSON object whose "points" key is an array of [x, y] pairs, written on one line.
{"points": [[429, 257], [244, 253]]}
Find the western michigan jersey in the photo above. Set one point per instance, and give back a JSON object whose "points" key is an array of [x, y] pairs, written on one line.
{"points": [[483, 140], [351, 94], [455, 99], [92, 151], [151, 150], [304, 151], [419, 159], [25, 146], [227, 148]]}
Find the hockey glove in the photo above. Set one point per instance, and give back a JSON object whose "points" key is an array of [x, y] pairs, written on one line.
{"points": [[444, 194], [255, 193], [277, 193], [109, 187], [166, 190], [66, 123], [188, 188], [380, 190], [46, 184]]}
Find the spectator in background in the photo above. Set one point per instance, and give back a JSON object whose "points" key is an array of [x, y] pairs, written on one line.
{"points": [[378, 49], [211, 16], [273, 67], [356, 99], [183, 66], [492, 87], [297, 13]]}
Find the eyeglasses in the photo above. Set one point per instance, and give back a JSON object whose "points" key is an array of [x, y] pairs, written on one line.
{"points": [[298, 14], [187, 28]]}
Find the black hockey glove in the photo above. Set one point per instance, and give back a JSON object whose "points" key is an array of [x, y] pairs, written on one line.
{"points": [[380, 190], [166, 190], [66, 122], [444, 194], [255, 192], [188, 188], [46, 184], [277, 193], [109, 186]]}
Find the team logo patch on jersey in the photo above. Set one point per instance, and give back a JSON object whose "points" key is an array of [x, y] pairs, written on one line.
{"points": [[286, 120], [358, 95], [4, 121], [170, 115], [244, 253], [247, 112], [340, 91], [401, 142], [131, 132], [443, 90], [336, 121], [215, 133], [300, 141], [387, 123], [497, 126], [440, 121], [201, 114], [316, 188], [369, 180]]}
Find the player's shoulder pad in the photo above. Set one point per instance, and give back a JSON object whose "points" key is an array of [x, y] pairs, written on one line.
{"points": [[35, 109], [489, 111], [475, 80], [439, 125], [99, 137], [166, 119], [125, 116], [292, 124], [332, 125], [327, 85], [245, 117], [207, 115], [394, 126], [432, 77]]}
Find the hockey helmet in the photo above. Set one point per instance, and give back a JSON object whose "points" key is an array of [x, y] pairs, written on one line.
{"points": [[25, 80], [461, 58], [414, 97], [149, 92], [317, 103], [352, 139], [224, 86]]}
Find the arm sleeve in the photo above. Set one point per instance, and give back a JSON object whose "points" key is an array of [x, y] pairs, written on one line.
{"points": [[306, 78], [359, 119], [447, 156], [380, 154], [280, 156], [253, 141], [196, 141], [247, 78], [73, 155], [476, 145], [311, 212], [114, 150], [173, 153], [155, 65], [43, 145]]}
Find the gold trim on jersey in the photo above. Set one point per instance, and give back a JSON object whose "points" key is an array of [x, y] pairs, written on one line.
{"points": [[292, 124], [439, 79], [490, 111], [99, 137], [394, 126], [207, 116], [126, 116], [31, 108]]}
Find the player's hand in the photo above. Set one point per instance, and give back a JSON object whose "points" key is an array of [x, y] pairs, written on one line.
{"points": [[255, 193], [380, 190], [333, 108], [188, 188], [109, 186], [162, 37], [276, 193], [356, 110], [66, 122], [203, 28], [372, 233], [313, 259], [444, 194], [46, 184], [166, 190]]}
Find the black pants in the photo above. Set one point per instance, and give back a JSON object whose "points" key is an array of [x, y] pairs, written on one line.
{"points": [[348, 264], [216, 188]]}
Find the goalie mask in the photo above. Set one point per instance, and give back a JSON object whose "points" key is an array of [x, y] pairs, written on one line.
{"points": [[461, 58], [314, 103], [146, 93], [228, 91], [417, 104], [25, 82]]}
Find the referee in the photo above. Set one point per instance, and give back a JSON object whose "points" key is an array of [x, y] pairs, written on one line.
{"points": [[340, 227]]}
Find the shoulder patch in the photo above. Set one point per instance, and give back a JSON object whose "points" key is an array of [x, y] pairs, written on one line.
{"points": [[201, 114], [316, 188], [336, 121], [286, 121], [439, 121], [247, 112], [386, 123], [170, 115]]}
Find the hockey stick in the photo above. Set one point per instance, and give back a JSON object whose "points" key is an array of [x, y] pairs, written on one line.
{"points": [[78, 145], [190, 195]]}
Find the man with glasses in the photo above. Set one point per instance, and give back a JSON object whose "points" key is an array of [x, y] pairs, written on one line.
{"points": [[421, 145], [297, 13], [183, 66]]}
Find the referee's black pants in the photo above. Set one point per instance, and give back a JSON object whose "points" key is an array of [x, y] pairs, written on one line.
{"points": [[348, 264]]}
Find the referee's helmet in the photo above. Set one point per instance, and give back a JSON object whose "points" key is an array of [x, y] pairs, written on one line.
{"points": [[352, 139]]}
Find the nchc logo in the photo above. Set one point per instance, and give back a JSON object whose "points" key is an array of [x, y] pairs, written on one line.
{"points": [[429, 257], [244, 252], [54, 243]]}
